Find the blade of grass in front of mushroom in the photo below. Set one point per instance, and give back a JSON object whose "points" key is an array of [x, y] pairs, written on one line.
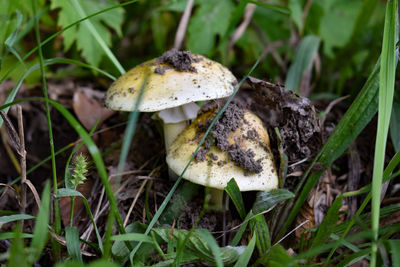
{"points": [[130, 130], [386, 92], [168, 197], [353, 122]]}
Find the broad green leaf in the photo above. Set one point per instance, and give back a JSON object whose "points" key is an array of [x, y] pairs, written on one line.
{"points": [[73, 243], [277, 257], [234, 192], [132, 237], [395, 251], [121, 252], [260, 229], [296, 13], [207, 237], [80, 34], [265, 200], [244, 258], [198, 246], [337, 22], [210, 20], [304, 56], [13, 218], [41, 225]]}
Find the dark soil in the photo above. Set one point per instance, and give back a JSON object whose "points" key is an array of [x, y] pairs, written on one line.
{"points": [[178, 60], [230, 120]]}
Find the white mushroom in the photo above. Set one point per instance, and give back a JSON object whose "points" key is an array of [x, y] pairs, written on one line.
{"points": [[254, 171], [170, 89]]}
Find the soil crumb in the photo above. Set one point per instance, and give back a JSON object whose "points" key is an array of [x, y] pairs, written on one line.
{"points": [[245, 159], [231, 119], [179, 60]]}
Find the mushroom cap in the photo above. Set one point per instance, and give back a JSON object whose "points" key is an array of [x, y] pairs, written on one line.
{"points": [[169, 87], [217, 168]]}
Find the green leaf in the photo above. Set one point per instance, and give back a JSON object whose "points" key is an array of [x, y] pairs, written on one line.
{"points": [[132, 237], [207, 237], [244, 258], [90, 47], [386, 92], [67, 192], [209, 21], [260, 229], [13, 218], [265, 200], [277, 257], [338, 22], [304, 56], [328, 224], [18, 257], [199, 246], [296, 13], [395, 251], [234, 192], [73, 243], [41, 225], [395, 125]]}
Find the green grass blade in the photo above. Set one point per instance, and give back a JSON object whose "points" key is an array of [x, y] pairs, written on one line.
{"points": [[42, 221], [386, 92], [395, 125], [73, 244], [244, 258], [56, 205], [66, 192], [304, 55], [18, 257], [260, 229], [97, 37], [13, 218], [207, 236], [239, 234], [10, 235], [132, 237], [395, 251], [234, 192], [328, 224]]}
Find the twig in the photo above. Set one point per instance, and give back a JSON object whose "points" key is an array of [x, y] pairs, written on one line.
{"points": [[180, 33], [248, 15], [22, 153], [134, 202]]}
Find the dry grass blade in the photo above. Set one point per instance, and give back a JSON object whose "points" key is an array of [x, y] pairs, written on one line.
{"points": [[180, 34], [12, 133]]}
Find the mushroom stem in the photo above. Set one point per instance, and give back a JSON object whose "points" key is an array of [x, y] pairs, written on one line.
{"points": [[171, 131], [216, 200]]}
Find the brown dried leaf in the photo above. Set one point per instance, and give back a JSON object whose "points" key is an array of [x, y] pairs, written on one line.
{"points": [[88, 107]]}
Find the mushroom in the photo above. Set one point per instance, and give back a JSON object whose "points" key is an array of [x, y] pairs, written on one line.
{"points": [[177, 79], [239, 148]]}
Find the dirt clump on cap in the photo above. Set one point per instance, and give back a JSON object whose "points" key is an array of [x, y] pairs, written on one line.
{"points": [[231, 119], [178, 60]]}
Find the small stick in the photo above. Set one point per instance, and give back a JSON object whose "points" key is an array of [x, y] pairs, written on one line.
{"points": [[22, 152], [180, 33]]}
